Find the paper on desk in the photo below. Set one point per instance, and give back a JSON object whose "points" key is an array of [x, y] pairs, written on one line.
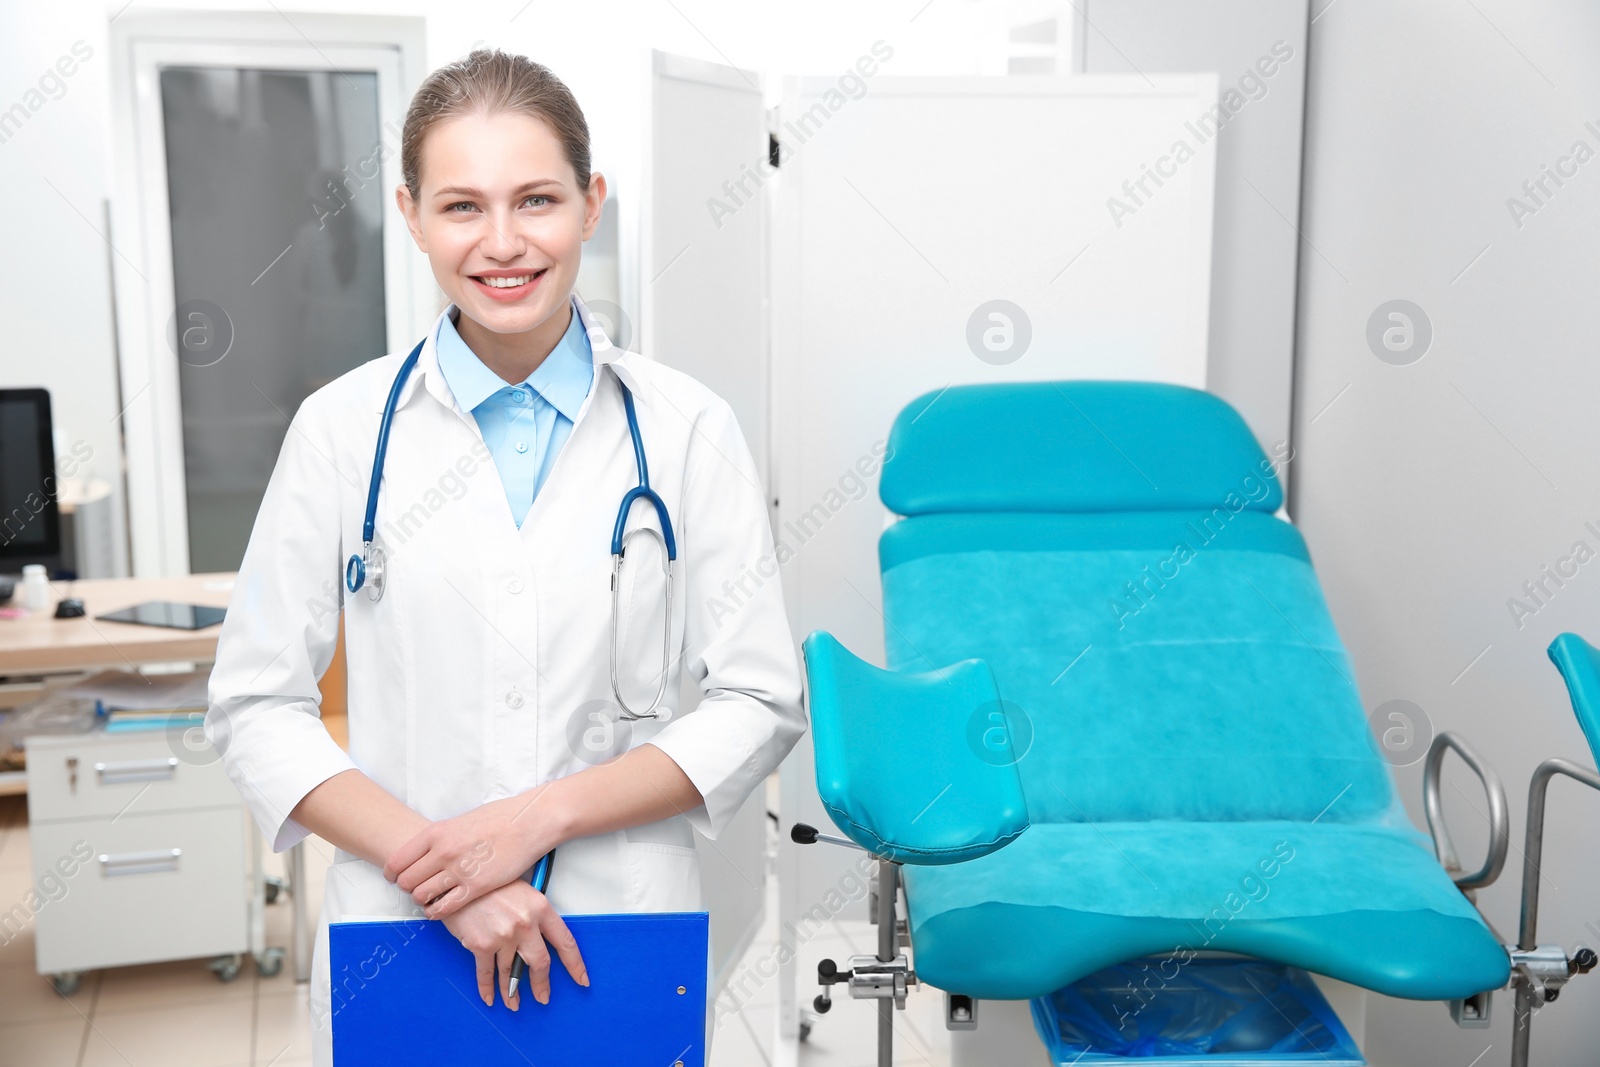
{"points": [[143, 692]]}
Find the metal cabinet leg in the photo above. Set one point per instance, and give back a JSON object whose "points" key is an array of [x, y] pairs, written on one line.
{"points": [[302, 933], [258, 881]]}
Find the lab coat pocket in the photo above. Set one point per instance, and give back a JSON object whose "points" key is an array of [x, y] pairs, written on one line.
{"points": [[665, 866]]}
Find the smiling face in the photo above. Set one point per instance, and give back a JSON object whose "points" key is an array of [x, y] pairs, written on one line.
{"points": [[502, 221]]}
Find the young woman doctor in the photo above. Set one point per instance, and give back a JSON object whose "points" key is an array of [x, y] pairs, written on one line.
{"points": [[483, 730]]}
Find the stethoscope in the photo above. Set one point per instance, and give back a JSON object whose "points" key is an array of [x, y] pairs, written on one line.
{"points": [[367, 569]]}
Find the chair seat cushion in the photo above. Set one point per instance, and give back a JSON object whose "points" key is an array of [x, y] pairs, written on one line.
{"points": [[1365, 903]]}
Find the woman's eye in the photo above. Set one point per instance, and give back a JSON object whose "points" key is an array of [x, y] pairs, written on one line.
{"points": [[537, 196], [455, 208]]}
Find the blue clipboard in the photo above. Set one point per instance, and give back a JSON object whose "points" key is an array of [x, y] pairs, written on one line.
{"points": [[405, 991]]}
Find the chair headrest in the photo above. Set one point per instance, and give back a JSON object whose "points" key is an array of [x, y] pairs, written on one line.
{"points": [[1074, 446]]}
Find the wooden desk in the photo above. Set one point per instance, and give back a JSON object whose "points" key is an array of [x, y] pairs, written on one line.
{"points": [[44, 644]]}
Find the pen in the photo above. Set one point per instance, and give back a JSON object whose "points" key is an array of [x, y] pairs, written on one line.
{"points": [[539, 879]]}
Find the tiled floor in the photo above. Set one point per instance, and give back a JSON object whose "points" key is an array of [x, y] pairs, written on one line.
{"points": [[180, 1015]]}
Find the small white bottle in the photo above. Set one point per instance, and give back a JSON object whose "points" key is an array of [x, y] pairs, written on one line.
{"points": [[35, 587]]}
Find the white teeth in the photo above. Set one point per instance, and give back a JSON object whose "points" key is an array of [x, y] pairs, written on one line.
{"points": [[508, 283]]}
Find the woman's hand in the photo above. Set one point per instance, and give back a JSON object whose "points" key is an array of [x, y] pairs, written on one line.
{"points": [[503, 923], [454, 861]]}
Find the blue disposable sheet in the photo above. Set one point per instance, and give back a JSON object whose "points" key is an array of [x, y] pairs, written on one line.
{"points": [[1176, 1013]]}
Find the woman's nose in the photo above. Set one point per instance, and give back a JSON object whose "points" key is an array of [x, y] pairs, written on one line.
{"points": [[503, 241]]}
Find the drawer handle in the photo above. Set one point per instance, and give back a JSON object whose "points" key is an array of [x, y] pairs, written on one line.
{"points": [[137, 770], [162, 859]]}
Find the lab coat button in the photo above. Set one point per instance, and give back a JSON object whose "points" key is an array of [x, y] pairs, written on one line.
{"points": [[513, 585], [513, 699], [522, 446]]}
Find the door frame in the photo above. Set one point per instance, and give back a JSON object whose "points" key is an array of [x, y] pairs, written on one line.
{"points": [[141, 45]]}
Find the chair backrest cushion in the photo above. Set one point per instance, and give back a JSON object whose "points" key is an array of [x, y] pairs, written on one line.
{"points": [[1160, 641]]}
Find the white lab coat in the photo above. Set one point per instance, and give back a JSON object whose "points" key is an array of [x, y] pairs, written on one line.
{"points": [[481, 671]]}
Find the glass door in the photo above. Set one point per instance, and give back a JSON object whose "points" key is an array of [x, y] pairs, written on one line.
{"points": [[277, 263]]}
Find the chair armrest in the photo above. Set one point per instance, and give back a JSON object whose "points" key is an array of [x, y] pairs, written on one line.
{"points": [[1579, 664], [914, 767]]}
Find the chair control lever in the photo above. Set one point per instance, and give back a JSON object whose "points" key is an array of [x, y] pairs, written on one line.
{"points": [[806, 834], [827, 974]]}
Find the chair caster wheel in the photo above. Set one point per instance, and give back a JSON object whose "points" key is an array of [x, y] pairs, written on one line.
{"points": [[269, 962], [66, 983], [226, 968]]}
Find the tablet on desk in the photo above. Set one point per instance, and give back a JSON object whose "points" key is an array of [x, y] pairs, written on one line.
{"points": [[167, 613]]}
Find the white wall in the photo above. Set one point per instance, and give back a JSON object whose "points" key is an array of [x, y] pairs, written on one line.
{"points": [[1430, 492], [1257, 48], [55, 280]]}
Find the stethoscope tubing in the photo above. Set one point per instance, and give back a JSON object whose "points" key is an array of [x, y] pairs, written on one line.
{"points": [[369, 566]]}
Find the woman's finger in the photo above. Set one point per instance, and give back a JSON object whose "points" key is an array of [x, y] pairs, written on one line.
{"points": [[429, 865], [555, 931], [537, 957], [447, 905], [407, 854], [485, 967], [440, 885], [509, 992]]}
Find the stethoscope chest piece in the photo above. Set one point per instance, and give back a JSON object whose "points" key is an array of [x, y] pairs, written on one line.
{"points": [[367, 570]]}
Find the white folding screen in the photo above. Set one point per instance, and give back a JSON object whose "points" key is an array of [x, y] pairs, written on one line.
{"points": [[935, 231], [702, 285]]}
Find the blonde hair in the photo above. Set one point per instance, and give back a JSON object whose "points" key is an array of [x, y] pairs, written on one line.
{"points": [[490, 82]]}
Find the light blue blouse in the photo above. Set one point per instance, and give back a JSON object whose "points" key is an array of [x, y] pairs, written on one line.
{"points": [[524, 425]]}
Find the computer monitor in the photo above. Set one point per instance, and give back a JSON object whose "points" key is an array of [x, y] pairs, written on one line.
{"points": [[30, 521]]}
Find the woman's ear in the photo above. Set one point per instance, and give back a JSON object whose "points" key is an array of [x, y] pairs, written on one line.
{"points": [[408, 208], [593, 201]]}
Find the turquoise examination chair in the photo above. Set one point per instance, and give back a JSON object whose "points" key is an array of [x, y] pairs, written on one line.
{"points": [[1118, 721]]}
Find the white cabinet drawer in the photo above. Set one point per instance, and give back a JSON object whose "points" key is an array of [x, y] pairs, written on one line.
{"points": [[138, 889], [98, 775]]}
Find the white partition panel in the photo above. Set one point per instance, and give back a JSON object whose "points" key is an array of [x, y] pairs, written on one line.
{"points": [[936, 231], [702, 285], [703, 310]]}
